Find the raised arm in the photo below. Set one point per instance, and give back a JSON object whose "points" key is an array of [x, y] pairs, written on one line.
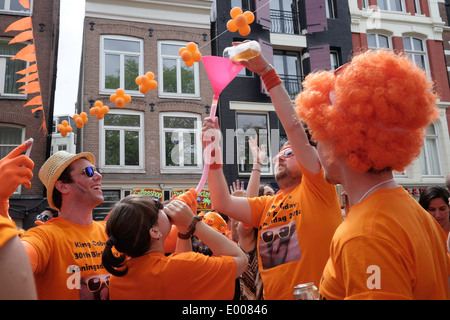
{"points": [[235, 207], [305, 154]]}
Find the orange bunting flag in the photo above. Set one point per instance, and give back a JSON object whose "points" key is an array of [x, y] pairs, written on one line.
{"points": [[31, 87], [30, 69], [20, 25], [36, 101], [25, 3], [26, 53], [23, 36], [29, 78], [37, 109]]}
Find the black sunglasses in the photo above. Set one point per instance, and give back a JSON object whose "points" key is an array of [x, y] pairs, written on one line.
{"points": [[89, 171]]}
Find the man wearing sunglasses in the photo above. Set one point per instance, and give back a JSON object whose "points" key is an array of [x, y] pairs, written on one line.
{"points": [[67, 249], [295, 226]]}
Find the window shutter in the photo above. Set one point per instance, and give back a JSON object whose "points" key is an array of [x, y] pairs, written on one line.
{"points": [[267, 52], [319, 58], [262, 13], [316, 16]]}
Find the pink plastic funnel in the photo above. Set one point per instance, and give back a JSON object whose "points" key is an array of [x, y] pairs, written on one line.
{"points": [[220, 72]]}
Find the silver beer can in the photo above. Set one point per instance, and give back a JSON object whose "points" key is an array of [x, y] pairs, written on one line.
{"points": [[306, 291]]}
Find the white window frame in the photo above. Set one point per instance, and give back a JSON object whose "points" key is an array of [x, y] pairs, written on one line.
{"points": [[3, 60], [18, 191], [267, 168], [8, 6], [423, 53], [424, 154], [179, 62], [122, 168], [122, 54], [377, 35], [198, 133], [417, 7], [388, 4], [334, 59]]}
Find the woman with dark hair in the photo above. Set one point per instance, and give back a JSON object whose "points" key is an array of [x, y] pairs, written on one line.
{"points": [[137, 228], [434, 199]]}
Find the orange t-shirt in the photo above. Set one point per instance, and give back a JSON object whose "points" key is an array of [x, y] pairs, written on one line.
{"points": [[294, 234], [388, 247], [69, 262], [180, 276], [8, 230]]}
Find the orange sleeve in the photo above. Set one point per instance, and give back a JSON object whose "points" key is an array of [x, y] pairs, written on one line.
{"points": [[257, 205], [8, 230]]}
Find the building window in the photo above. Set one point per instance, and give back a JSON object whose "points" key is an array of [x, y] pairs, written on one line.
{"points": [[287, 64], [390, 5], [334, 58], [284, 17], [122, 145], [377, 41], [331, 9], [365, 4], [10, 138], [415, 50], [176, 80], [121, 63], [8, 68], [12, 6], [249, 125], [181, 147], [417, 7], [430, 163]]}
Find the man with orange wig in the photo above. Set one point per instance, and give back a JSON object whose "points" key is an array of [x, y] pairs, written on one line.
{"points": [[369, 118]]}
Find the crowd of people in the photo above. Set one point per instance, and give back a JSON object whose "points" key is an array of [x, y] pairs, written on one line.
{"points": [[366, 119]]}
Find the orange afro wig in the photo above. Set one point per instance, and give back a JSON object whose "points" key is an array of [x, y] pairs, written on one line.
{"points": [[373, 111]]}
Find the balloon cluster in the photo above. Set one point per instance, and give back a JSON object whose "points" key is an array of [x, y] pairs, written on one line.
{"points": [[99, 110], [120, 98], [146, 82], [190, 54], [240, 21], [80, 119], [64, 128]]}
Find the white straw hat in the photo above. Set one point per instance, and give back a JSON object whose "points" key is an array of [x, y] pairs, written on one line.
{"points": [[54, 167]]}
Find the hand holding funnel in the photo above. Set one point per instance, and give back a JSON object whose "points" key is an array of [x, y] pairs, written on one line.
{"points": [[221, 71]]}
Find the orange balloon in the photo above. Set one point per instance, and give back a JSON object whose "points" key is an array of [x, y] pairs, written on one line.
{"points": [[120, 102], [113, 97], [191, 47], [250, 16], [105, 109], [189, 63], [150, 75], [231, 26], [181, 50], [153, 85], [186, 56], [234, 12], [240, 21], [120, 92], [197, 56], [245, 31]]}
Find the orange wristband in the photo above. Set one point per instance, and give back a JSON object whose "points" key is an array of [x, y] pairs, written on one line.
{"points": [[271, 79]]}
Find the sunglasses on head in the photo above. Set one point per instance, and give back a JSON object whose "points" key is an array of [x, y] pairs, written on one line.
{"points": [[286, 153], [89, 171]]}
